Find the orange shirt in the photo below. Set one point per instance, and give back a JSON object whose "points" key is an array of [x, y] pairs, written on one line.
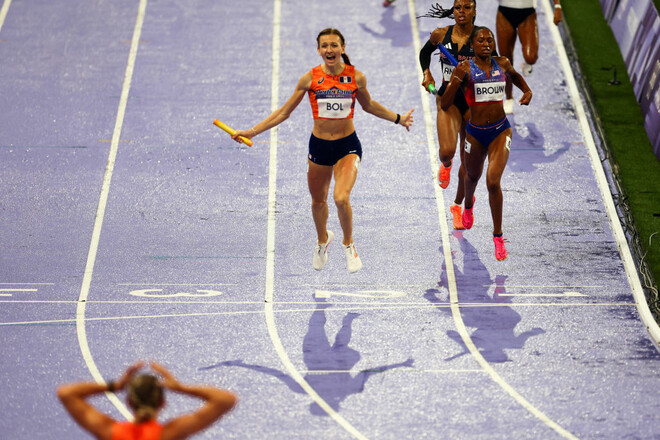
{"points": [[333, 97], [150, 430]]}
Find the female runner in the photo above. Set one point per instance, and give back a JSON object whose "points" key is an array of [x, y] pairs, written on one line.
{"points": [[450, 122], [483, 79], [334, 148], [517, 18]]}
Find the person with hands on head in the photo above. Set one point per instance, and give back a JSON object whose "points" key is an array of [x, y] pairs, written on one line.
{"points": [[146, 397], [482, 79], [334, 148]]}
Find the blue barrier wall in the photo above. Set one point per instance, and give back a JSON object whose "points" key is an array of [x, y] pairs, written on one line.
{"points": [[636, 27]]}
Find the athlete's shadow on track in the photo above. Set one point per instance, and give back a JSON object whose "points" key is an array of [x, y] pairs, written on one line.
{"points": [[494, 323], [396, 31], [528, 149], [328, 365]]}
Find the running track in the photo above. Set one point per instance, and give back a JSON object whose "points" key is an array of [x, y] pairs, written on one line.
{"points": [[134, 229]]}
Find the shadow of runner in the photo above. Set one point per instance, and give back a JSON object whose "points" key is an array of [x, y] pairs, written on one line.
{"points": [[328, 365], [529, 148], [494, 324], [397, 31]]}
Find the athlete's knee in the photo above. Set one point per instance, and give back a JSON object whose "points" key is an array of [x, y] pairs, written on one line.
{"points": [[342, 199], [531, 55], [493, 186], [318, 203]]}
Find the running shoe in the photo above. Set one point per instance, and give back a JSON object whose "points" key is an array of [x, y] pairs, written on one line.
{"points": [[526, 69], [386, 3], [468, 218], [500, 251], [321, 252], [457, 215], [508, 106], [443, 176], [353, 262]]}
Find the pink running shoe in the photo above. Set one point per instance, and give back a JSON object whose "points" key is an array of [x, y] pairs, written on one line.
{"points": [[444, 176], [457, 215], [500, 251], [468, 218], [386, 3]]}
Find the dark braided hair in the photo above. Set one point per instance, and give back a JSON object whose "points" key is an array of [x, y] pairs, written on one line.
{"points": [[331, 31], [438, 11]]}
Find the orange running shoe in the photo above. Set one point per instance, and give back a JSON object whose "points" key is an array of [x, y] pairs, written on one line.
{"points": [[457, 215], [443, 176], [500, 251]]}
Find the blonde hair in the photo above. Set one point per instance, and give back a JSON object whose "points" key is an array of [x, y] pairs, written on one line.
{"points": [[145, 397]]}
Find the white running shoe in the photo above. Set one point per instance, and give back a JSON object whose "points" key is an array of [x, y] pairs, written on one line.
{"points": [[508, 106], [353, 262], [526, 69], [321, 252]]}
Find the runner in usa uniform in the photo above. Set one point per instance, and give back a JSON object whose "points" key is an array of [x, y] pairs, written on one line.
{"points": [[450, 123], [483, 81], [517, 18], [334, 148], [145, 398]]}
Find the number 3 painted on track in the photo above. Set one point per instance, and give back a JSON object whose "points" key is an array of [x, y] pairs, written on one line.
{"points": [[146, 293]]}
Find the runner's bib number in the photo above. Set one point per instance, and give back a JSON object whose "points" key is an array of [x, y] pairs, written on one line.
{"points": [[334, 108], [447, 70], [489, 92]]}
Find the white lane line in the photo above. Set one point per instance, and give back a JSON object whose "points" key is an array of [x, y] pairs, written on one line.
{"points": [[354, 305], [297, 310], [270, 242], [393, 371], [100, 212], [617, 229], [3, 12], [18, 290], [449, 264], [27, 284], [176, 284], [379, 294], [15, 290], [348, 305], [545, 286], [551, 295]]}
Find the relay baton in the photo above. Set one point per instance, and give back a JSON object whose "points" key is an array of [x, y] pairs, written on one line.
{"points": [[448, 54], [452, 60], [231, 131]]}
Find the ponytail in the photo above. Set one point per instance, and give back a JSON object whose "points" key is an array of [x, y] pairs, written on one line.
{"points": [[346, 59], [332, 31], [437, 11]]}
